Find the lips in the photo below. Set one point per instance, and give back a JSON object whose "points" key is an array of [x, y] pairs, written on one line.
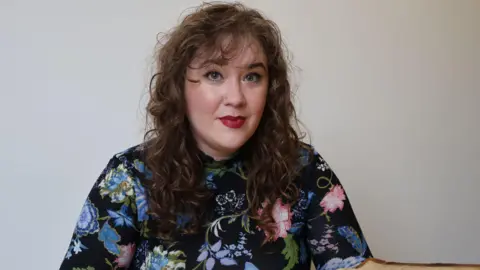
{"points": [[233, 121]]}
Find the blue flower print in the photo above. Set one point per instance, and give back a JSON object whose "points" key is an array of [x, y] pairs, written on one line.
{"points": [[336, 263], [140, 201], [69, 254], [209, 181], [303, 203], [121, 217], [304, 157], [140, 166], [210, 254], [76, 248], [353, 238], [250, 266], [161, 258], [155, 260], [299, 210], [115, 228], [325, 241], [239, 249], [303, 252], [117, 184], [296, 228], [110, 238], [88, 221]]}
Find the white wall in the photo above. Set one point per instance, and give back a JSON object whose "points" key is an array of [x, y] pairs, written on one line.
{"points": [[390, 91]]}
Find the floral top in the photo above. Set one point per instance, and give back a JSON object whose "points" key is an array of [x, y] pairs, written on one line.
{"points": [[112, 231]]}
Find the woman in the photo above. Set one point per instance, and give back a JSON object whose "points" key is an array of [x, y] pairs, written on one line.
{"points": [[222, 180]]}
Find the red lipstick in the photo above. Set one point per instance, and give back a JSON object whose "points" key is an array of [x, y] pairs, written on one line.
{"points": [[233, 121]]}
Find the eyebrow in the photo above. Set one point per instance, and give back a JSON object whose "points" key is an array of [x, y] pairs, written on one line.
{"points": [[221, 62], [257, 64]]}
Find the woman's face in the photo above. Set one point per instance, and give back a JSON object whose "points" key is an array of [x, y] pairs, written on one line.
{"points": [[225, 101]]}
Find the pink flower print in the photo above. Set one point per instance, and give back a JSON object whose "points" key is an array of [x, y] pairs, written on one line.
{"points": [[282, 215], [333, 200], [126, 255]]}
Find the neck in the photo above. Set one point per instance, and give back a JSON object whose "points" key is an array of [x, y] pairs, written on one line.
{"points": [[217, 155]]}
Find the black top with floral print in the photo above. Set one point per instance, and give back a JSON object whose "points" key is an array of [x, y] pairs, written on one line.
{"points": [[112, 230]]}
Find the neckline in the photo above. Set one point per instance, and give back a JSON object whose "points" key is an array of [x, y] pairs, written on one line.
{"points": [[209, 162]]}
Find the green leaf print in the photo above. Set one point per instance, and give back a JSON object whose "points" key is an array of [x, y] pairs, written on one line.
{"points": [[176, 256], [107, 262], [144, 231], [134, 207], [327, 182], [232, 219], [173, 259], [127, 201], [217, 171], [290, 252], [88, 268], [246, 223], [326, 216]]}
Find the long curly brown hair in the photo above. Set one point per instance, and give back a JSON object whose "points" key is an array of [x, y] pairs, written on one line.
{"points": [[172, 155]]}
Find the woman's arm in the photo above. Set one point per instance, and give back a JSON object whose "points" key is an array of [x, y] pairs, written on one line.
{"points": [[334, 236], [107, 228]]}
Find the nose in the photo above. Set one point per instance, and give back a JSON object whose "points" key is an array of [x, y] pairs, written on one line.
{"points": [[233, 94]]}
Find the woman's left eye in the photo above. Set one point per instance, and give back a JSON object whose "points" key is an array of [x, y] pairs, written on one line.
{"points": [[253, 77]]}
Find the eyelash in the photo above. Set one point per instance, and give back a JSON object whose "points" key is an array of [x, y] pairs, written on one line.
{"points": [[258, 79], [210, 73]]}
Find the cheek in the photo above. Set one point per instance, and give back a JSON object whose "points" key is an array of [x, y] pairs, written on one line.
{"points": [[257, 102], [200, 102]]}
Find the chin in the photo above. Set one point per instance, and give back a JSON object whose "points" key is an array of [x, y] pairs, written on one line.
{"points": [[233, 144]]}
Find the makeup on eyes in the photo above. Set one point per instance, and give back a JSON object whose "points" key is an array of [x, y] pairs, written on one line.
{"points": [[217, 76]]}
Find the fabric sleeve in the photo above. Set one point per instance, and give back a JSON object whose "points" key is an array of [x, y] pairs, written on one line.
{"points": [[107, 229], [334, 236]]}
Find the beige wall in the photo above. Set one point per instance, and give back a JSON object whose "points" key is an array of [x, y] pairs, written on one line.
{"points": [[389, 90]]}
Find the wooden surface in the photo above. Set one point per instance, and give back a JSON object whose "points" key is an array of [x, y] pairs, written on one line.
{"points": [[376, 264]]}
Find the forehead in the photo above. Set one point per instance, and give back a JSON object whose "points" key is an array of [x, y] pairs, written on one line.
{"points": [[228, 51]]}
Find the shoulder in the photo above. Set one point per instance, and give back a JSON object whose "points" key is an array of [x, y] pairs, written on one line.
{"points": [[132, 153], [313, 165], [131, 161], [122, 180], [123, 174], [309, 156]]}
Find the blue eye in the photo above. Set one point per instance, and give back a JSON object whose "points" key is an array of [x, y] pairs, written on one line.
{"points": [[253, 77], [213, 76]]}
